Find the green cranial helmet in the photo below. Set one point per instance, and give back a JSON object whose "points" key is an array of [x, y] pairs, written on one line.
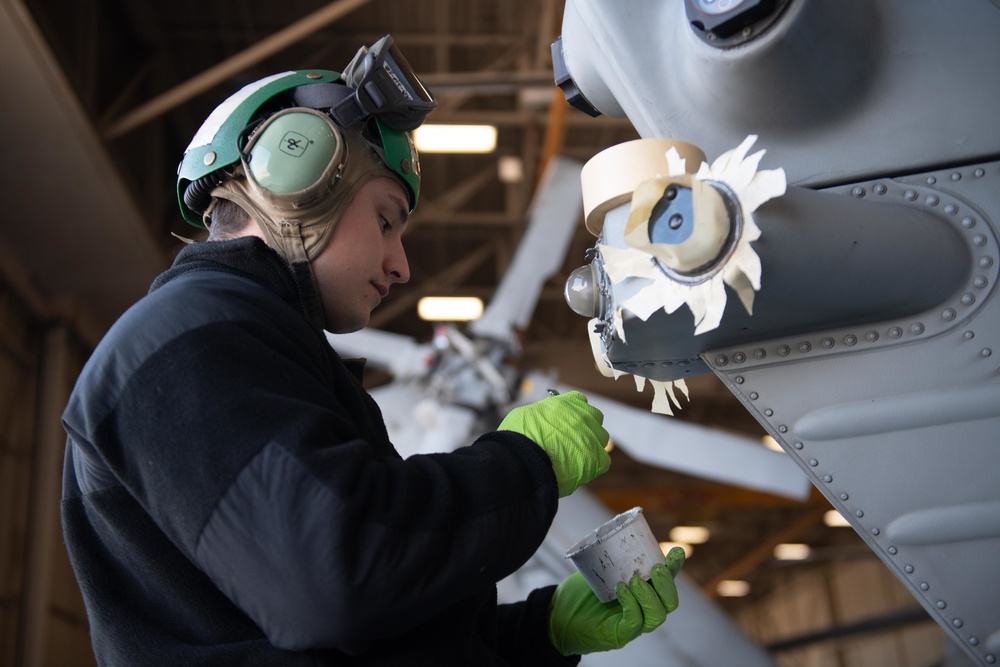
{"points": [[285, 131]]}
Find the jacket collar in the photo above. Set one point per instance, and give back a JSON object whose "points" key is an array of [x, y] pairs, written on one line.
{"points": [[250, 257]]}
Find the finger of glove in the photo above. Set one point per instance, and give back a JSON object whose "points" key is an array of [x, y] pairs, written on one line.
{"points": [[594, 462], [589, 421], [593, 443], [576, 464], [563, 413], [577, 403], [516, 420], [665, 587], [572, 395], [571, 601], [579, 622], [578, 416], [653, 611], [629, 625], [577, 443], [572, 594], [675, 560]]}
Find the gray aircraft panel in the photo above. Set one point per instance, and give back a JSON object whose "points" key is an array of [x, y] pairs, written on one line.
{"points": [[838, 88], [890, 480], [896, 421], [873, 352]]}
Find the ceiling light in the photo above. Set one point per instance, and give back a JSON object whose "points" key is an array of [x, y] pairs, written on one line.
{"points": [[667, 546], [689, 534], [535, 98], [835, 519], [732, 588], [792, 551], [772, 444], [450, 308], [510, 169], [455, 138]]}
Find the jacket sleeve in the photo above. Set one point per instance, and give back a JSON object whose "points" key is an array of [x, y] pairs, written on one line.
{"points": [[523, 632], [242, 454]]}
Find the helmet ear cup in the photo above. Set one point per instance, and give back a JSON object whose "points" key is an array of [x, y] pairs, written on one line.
{"points": [[293, 152]]}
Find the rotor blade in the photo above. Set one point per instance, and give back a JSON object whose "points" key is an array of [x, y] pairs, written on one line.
{"points": [[553, 216], [398, 354], [701, 451], [417, 423]]}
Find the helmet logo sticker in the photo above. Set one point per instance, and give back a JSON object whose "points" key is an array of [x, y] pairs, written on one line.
{"points": [[294, 144]]}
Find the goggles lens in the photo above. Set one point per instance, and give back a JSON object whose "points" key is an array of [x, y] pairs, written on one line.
{"points": [[387, 87]]}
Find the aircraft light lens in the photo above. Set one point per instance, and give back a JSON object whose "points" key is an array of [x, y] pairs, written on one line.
{"points": [[580, 293]]}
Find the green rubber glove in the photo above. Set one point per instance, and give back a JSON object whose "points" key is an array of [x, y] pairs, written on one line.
{"points": [[579, 623], [570, 431]]}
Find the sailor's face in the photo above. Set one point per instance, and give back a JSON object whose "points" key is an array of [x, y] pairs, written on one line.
{"points": [[364, 256]]}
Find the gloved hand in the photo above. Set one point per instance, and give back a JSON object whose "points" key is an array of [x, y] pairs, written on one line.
{"points": [[579, 623], [570, 431]]}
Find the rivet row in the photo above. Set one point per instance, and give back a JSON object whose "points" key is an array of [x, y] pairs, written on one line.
{"points": [[828, 342]]}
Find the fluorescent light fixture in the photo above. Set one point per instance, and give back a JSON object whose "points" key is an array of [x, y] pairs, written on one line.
{"points": [[732, 588], [792, 551], [450, 308], [689, 534], [835, 519], [455, 138], [667, 546], [772, 444]]}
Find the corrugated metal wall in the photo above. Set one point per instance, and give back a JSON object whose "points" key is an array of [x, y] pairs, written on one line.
{"points": [[883, 627]]}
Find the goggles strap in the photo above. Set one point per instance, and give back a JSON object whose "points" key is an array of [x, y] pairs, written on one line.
{"points": [[341, 102]]}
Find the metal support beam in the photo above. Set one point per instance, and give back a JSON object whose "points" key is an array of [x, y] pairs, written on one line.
{"points": [[555, 127], [763, 551], [453, 89], [426, 218], [227, 68], [43, 509], [459, 194], [891, 621], [448, 278]]}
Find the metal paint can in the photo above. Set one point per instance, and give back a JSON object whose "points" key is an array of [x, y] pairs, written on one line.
{"points": [[617, 550]]}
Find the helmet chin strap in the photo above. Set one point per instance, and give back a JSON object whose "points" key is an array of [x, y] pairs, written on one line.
{"points": [[282, 234], [284, 237]]}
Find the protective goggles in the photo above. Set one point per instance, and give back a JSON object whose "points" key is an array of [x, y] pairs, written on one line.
{"points": [[382, 84]]}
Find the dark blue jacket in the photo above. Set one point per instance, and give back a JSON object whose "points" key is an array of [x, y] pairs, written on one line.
{"points": [[230, 495]]}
